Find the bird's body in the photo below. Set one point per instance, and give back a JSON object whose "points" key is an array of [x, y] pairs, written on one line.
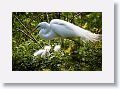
{"points": [[47, 35], [63, 29], [43, 52]]}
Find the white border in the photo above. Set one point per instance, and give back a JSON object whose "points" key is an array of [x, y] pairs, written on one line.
{"points": [[104, 76]]}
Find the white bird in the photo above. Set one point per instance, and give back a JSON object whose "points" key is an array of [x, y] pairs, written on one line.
{"points": [[64, 29], [43, 52], [39, 52], [57, 48], [47, 48]]}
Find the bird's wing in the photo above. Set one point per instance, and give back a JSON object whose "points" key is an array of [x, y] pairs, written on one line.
{"points": [[63, 28], [66, 29]]}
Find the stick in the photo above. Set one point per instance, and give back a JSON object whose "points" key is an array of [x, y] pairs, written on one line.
{"points": [[25, 34], [26, 29]]}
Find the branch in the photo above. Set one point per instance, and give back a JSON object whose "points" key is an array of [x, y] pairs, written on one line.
{"points": [[26, 30], [26, 34]]}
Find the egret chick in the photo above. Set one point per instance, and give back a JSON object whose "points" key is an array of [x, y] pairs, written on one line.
{"points": [[47, 48], [57, 48], [39, 52], [43, 52]]}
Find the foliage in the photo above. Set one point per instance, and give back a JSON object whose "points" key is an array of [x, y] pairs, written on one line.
{"points": [[76, 55]]}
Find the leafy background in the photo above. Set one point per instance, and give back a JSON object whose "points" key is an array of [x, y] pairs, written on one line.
{"points": [[75, 56]]}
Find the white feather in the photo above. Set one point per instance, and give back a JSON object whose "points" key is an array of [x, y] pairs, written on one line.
{"points": [[39, 52], [65, 29], [57, 48], [47, 48], [43, 52]]}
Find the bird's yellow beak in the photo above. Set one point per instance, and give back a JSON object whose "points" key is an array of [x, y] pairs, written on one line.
{"points": [[35, 29]]}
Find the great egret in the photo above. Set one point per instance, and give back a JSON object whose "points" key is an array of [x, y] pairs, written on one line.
{"points": [[64, 29]]}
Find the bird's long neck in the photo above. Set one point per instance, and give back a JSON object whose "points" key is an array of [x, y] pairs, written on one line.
{"points": [[47, 29], [47, 33]]}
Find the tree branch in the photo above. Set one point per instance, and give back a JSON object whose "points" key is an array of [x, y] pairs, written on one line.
{"points": [[26, 29], [25, 34]]}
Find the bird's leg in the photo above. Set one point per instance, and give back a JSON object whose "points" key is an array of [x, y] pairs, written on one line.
{"points": [[79, 41], [49, 42], [61, 41]]}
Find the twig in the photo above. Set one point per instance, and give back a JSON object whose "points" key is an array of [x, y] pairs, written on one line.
{"points": [[24, 33], [26, 29], [59, 14], [47, 17], [27, 35], [72, 20], [67, 17]]}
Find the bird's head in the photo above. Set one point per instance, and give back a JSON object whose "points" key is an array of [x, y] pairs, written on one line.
{"points": [[41, 25]]}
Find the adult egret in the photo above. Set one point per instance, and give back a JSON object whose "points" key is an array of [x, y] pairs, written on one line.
{"points": [[63, 29]]}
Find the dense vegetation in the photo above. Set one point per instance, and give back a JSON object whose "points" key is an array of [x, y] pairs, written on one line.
{"points": [[74, 56]]}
